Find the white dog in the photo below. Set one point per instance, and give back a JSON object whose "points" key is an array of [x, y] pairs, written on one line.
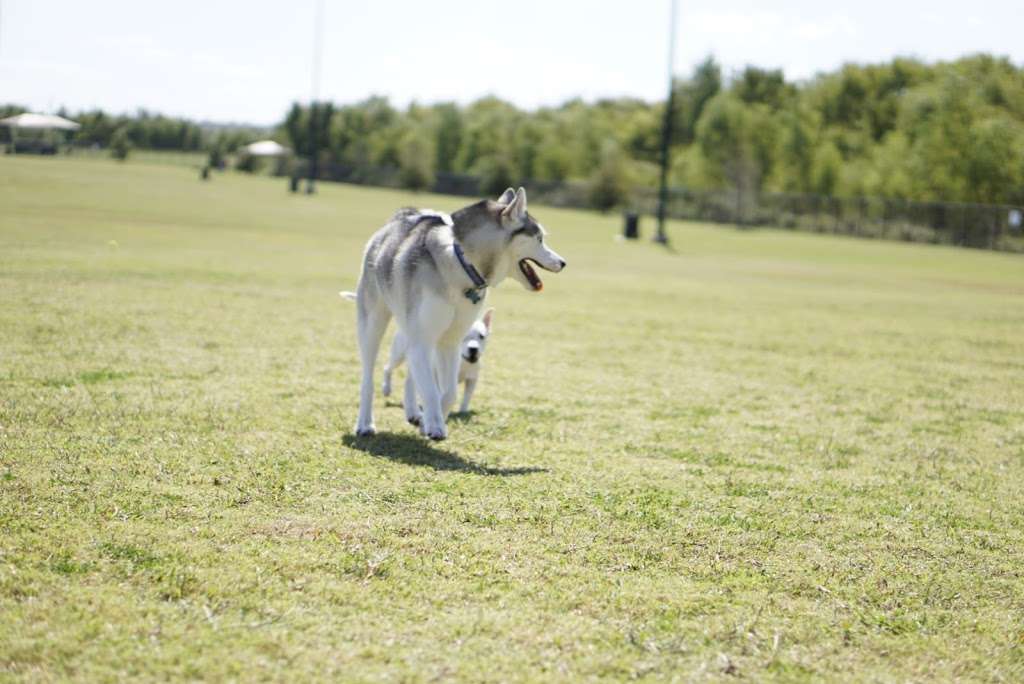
{"points": [[473, 345], [431, 271]]}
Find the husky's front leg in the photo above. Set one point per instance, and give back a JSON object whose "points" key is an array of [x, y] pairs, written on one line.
{"points": [[423, 336], [422, 372]]}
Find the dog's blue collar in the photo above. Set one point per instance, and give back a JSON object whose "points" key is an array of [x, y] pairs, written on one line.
{"points": [[475, 293]]}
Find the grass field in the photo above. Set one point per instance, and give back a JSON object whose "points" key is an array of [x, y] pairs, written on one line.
{"points": [[195, 160], [764, 456]]}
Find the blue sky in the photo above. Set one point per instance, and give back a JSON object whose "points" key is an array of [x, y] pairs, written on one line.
{"points": [[246, 61]]}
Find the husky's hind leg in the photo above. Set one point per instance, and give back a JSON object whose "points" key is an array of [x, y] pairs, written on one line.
{"points": [[372, 322]]}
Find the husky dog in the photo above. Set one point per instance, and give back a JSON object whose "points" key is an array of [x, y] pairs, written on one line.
{"points": [[431, 271], [472, 351]]}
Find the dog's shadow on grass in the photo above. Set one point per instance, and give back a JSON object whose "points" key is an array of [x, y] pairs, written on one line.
{"points": [[415, 450]]}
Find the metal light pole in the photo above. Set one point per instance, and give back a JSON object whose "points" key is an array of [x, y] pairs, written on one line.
{"points": [[314, 125], [666, 130]]}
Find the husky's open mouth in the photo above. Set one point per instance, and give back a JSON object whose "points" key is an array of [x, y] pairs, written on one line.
{"points": [[531, 275]]}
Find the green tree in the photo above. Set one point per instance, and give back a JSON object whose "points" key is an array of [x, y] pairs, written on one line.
{"points": [[737, 142], [296, 126], [495, 174], [890, 174], [120, 144], [416, 160], [608, 184], [796, 150], [449, 136], [764, 86], [691, 96], [828, 163], [993, 160]]}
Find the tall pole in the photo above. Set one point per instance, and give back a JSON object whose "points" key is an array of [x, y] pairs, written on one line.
{"points": [[13, 129], [666, 129], [314, 122]]}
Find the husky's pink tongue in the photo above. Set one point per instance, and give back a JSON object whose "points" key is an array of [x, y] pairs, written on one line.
{"points": [[531, 275]]}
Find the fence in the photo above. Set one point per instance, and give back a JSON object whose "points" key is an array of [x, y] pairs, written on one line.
{"points": [[983, 226]]}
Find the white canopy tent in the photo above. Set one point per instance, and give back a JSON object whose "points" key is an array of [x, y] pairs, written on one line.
{"points": [[40, 122], [265, 148], [42, 129]]}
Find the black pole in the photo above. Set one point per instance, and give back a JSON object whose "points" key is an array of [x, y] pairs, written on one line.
{"points": [[666, 141], [314, 148], [666, 132]]}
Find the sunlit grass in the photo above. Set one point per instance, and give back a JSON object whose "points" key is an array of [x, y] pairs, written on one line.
{"points": [[765, 454], [193, 159]]}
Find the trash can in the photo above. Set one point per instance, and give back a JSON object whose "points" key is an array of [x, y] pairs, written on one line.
{"points": [[631, 229], [293, 184], [206, 173]]}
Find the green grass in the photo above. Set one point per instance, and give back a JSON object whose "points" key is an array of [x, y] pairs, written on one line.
{"points": [[161, 157], [766, 456]]}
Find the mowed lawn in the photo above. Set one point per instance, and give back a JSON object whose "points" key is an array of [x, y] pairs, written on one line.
{"points": [[764, 455]]}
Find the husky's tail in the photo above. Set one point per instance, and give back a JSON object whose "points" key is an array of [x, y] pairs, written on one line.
{"points": [[350, 296]]}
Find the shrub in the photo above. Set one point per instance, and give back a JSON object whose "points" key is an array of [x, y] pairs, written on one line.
{"points": [[120, 144], [217, 157], [247, 163]]}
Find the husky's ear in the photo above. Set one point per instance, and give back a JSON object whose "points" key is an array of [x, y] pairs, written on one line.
{"points": [[487, 319], [507, 196], [516, 211]]}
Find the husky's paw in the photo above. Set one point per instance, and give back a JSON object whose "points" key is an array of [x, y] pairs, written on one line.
{"points": [[413, 413], [366, 431], [435, 433]]}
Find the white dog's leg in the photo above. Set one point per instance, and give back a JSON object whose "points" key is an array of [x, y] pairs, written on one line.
{"points": [[467, 394], [412, 408], [420, 367], [394, 361], [448, 376], [372, 322]]}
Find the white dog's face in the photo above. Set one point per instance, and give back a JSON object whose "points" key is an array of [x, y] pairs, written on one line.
{"points": [[528, 242], [475, 341]]}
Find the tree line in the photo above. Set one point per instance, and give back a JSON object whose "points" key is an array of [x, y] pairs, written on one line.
{"points": [[949, 131], [144, 130], [903, 129]]}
